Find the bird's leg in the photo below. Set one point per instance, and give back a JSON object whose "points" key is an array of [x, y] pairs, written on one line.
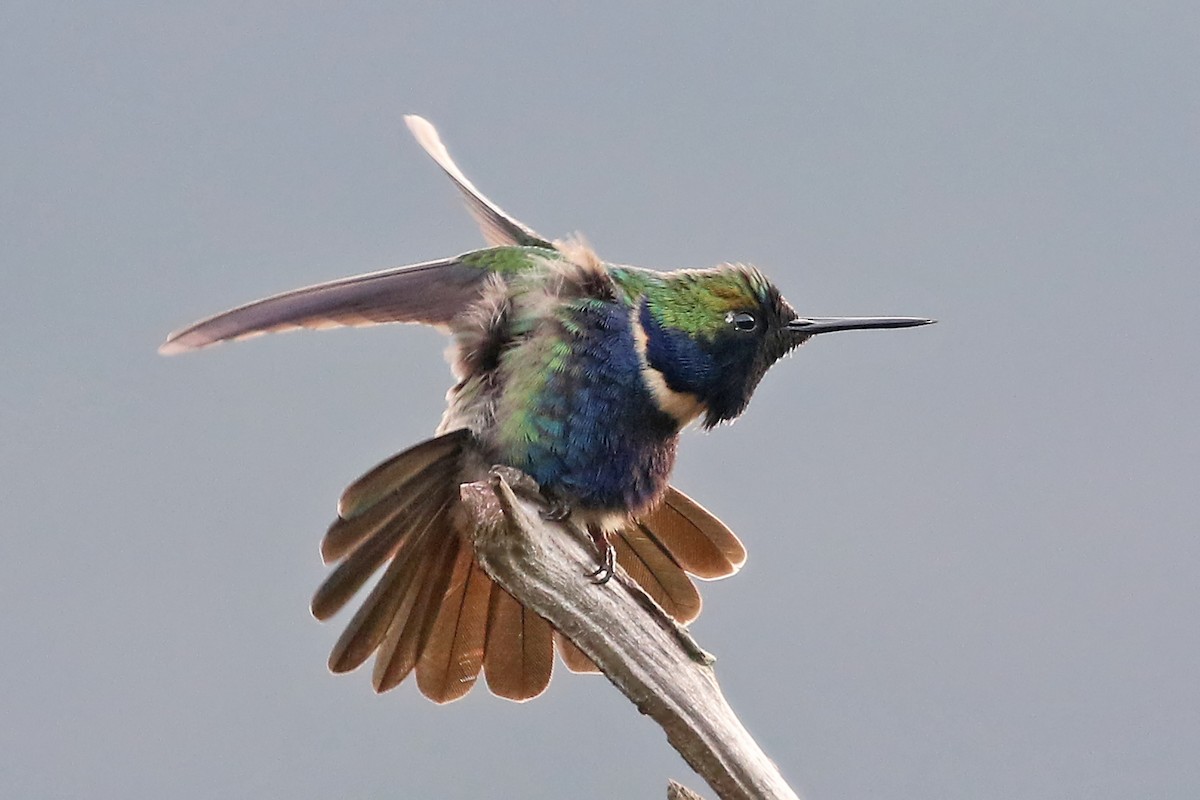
{"points": [[607, 555], [559, 510]]}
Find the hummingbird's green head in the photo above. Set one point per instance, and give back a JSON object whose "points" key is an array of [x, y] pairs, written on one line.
{"points": [[712, 334]]}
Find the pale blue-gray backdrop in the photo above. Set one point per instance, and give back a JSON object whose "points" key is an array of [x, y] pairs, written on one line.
{"points": [[973, 547]]}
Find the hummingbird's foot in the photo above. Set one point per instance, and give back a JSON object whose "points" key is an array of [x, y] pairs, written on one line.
{"points": [[607, 554]]}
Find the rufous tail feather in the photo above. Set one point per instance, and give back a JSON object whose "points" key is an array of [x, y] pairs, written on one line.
{"points": [[434, 610]]}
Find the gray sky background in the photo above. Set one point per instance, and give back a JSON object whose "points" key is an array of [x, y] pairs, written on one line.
{"points": [[973, 548]]}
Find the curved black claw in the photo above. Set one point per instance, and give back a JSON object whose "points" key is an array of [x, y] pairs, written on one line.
{"points": [[608, 557], [604, 573]]}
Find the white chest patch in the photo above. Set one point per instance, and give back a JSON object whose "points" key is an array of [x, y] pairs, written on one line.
{"points": [[683, 407]]}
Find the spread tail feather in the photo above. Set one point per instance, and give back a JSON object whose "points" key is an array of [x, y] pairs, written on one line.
{"points": [[409, 632], [453, 655], [697, 540], [435, 612], [575, 659], [520, 649], [653, 568]]}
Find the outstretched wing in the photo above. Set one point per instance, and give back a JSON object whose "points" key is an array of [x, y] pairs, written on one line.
{"points": [[498, 228], [431, 293]]}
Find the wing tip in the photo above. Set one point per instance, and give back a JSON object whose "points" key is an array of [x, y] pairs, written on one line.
{"points": [[425, 134], [182, 343], [416, 121], [179, 342], [193, 337]]}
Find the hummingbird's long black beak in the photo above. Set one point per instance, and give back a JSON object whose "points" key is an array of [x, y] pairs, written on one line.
{"points": [[810, 326]]}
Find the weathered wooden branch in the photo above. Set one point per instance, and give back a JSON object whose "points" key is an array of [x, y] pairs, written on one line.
{"points": [[676, 791], [544, 566]]}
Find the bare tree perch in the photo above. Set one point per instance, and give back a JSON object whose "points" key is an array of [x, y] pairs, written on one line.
{"points": [[544, 566], [675, 791]]}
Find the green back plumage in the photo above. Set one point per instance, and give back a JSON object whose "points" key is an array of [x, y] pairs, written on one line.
{"points": [[508, 261]]}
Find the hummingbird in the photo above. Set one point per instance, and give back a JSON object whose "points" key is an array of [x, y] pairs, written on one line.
{"points": [[579, 373]]}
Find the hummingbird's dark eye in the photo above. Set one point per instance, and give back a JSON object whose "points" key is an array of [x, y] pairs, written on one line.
{"points": [[743, 320]]}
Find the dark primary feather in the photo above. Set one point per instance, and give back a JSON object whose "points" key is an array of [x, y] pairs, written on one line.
{"points": [[431, 293]]}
